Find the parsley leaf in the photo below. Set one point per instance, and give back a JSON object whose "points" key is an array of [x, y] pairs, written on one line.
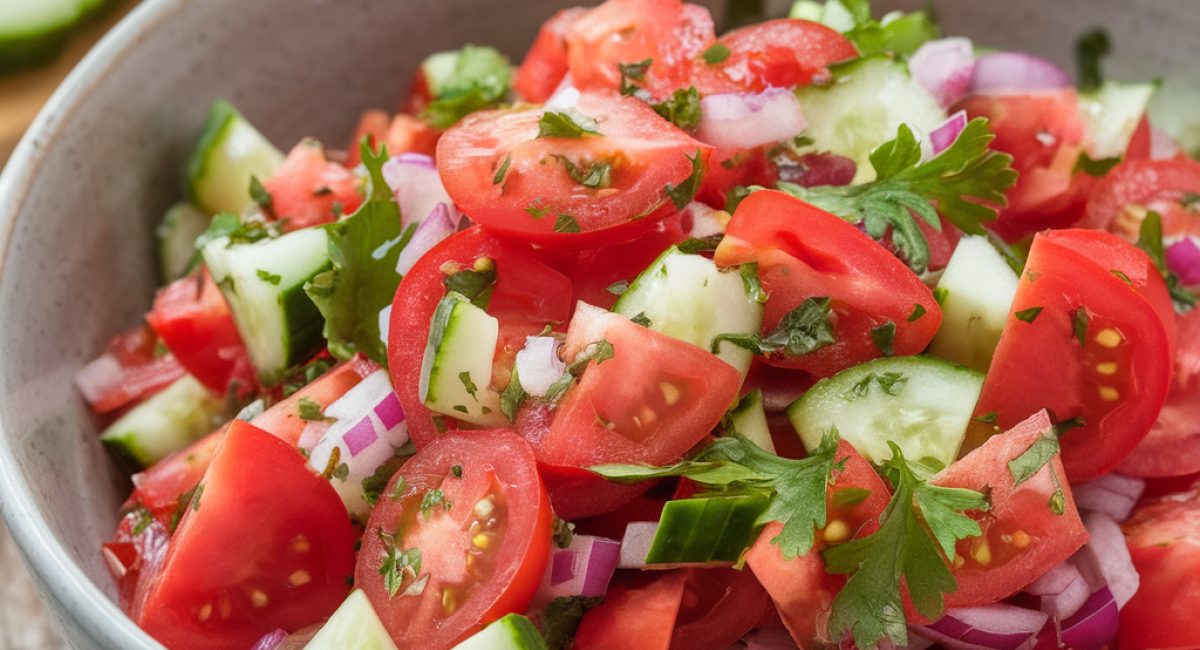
{"points": [[1080, 325], [310, 409], [362, 280], [682, 194], [700, 244], [267, 276], [682, 109], [510, 399], [560, 619], [1150, 240], [433, 499], [884, 337], [716, 53], [397, 564], [1095, 168], [567, 123], [596, 175], [475, 284], [804, 329], [480, 79], [566, 223], [967, 169], [1089, 50], [1032, 460], [1028, 315], [261, 196]]}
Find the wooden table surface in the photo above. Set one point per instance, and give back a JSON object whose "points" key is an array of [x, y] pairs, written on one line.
{"points": [[24, 623]]}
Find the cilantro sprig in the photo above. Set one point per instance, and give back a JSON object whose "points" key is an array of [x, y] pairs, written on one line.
{"points": [[964, 182], [804, 329]]}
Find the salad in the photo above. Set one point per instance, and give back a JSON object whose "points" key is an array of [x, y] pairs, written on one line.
{"points": [[826, 332]]}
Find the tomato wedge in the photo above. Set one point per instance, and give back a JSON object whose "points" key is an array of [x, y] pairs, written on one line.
{"points": [[545, 63], [226, 582], [568, 191], [1127, 190], [1085, 338], [783, 53], [638, 613], [804, 252], [459, 538], [308, 190]]}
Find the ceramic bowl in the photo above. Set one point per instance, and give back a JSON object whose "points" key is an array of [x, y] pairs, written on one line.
{"points": [[83, 191]]}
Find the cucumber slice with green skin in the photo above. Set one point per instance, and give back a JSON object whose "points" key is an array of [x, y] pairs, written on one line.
{"points": [[1112, 113], [177, 416], [33, 32], [513, 632], [979, 287], [920, 403], [749, 418], [264, 283], [456, 373], [354, 626], [229, 151], [177, 234], [706, 531], [863, 107], [687, 297]]}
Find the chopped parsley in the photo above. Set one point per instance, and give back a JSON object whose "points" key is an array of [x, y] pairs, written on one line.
{"points": [[468, 385], [475, 284], [510, 398], [1150, 240], [310, 410], [917, 312], [433, 499], [397, 564], [1079, 325], [480, 80], [682, 109], [631, 72], [566, 223], [884, 337], [596, 175], [804, 329], [567, 123], [261, 196], [716, 53], [268, 277], [891, 383], [500, 173], [560, 620], [1089, 50], [1028, 315], [682, 194], [1095, 168]]}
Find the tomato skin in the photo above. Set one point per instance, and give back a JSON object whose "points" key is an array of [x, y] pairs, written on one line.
{"points": [[528, 296], [223, 585], [1163, 536], [1014, 560], [1126, 350], [491, 462], [127, 372], [402, 133], [646, 154], [803, 252], [783, 53], [308, 190], [638, 612], [1157, 185], [192, 318], [545, 63], [719, 606]]}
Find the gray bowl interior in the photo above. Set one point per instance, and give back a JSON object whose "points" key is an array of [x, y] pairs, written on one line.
{"points": [[83, 192]]}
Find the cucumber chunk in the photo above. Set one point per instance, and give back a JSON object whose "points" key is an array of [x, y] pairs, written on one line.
{"points": [[920, 403], [179, 415], [456, 373], [687, 297], [1112, 113], [710, 531], [354, 626], [176, 235], [513, 632], [33, 32], [979, 287], [264, 284], [863, 107], [229, 151], [749, 418]]}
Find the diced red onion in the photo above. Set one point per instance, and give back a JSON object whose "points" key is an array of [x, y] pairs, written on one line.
{"points": [[1062, 590], [703, 220], [944, 135], [418, 187], [538, 365], [1093, 627], [428, 234], [271, 640], [1162, 145], [639, 537], [1105, 559], [1113, 494], [997, 626], [944, 67], [745, 121], [1183, 257], [565, 96], [583, 569], [1016, 72]]}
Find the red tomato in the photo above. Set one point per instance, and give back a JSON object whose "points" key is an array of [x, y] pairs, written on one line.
{"points": [[129, 371], [719, 606], [1023, 537], [1044, 133], [545, 63], [1172, 448], [668, 33], [1098, 349], [536, 197], [473, 508], [638, 612], [800, 588], [804, 252], [783, 53], [1164, 541], [528, 295], [308, 190], [728, 169], [402, 134], [654, 399], [225, 582], [193, 320], [1127, 190]]}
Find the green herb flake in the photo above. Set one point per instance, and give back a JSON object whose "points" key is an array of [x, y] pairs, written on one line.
{"points": [[1028, 315], [1150, 240], [511, 397], [641, 319], [1095, 168], [891, 383], [682, 109], [1121, 276], [567, 123], [1080, 324], [987, 418], [398, 564], [431, 500], [1089, 50], [565, 223], [716, 53], [940, 294], [631, 72], [848, 497], [884, 337], [1032, 460], [474, 284], [480, 80], [917, 312], [696, 245], [310, 410], [618, 288], [735, 196], [260, 195], [804, 329], [596, 175], [560, 620], [468, 385], [500, 173], [456, 470], [268, 277], [682, 194]]}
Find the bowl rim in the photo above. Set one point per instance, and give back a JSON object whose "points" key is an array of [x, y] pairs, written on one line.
{"points": [[75, 598]]}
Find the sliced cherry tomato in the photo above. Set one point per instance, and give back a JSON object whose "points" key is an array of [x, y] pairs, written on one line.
{"points": [[654, 399], [1083, 342], [1024, 535], [308, 190], [668, 34], [783, 53], [800, 588], [1163, 536], [527, 297], [129, 371], [460, 537], [804, 252], [1127, 191], [266, 544], [638, 612], [193, 320], [568, 191], [545, 63]]}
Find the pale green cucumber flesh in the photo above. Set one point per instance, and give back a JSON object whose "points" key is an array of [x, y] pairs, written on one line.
{"points": [[512, 632], [1111, 114], [456, 372], [33, 32], [920, 403], [228, 152], [170, 420], [177, 234], [979, 287], [749, 418], [354, 626]]}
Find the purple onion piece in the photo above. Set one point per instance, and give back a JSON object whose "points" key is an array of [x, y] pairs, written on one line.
{"points": [[1113, 494], [600, 566], [944, 68], [418, 187], [1062, 590], [947, 132], [1183, 257], [538, 365], [432, 230], [583, 569], [1093, 627], [1016, 72], [271, 640], [997, 626], [745, 121], [1105, 559]]}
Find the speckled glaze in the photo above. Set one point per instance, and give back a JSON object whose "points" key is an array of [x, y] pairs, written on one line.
{"points": [[82, 193]]}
